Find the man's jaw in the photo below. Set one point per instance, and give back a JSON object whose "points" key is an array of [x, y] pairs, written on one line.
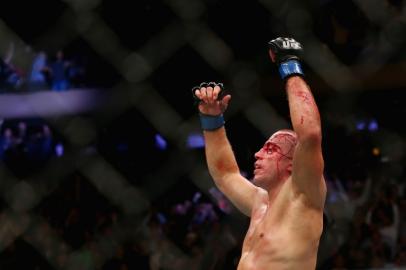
{"points": [[258, 178], [261, 180], [257, 170]]}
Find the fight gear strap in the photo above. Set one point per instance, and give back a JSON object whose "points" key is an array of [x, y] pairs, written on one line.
{"points": [[289, 68], [211, 122]]}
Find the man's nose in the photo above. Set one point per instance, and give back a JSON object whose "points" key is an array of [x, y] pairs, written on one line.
{"points": [[258, 155]]}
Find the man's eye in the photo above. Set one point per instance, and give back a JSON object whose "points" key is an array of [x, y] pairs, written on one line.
{"points": [[269, 151]]}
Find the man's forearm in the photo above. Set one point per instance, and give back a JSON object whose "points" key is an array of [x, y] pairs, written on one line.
{"points": [[219, 154], [304, 113]]}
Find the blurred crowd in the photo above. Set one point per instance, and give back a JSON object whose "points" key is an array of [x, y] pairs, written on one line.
{"points": [[44, 71], [27, 144], [189, 228], [367, 223], [364, 226]]}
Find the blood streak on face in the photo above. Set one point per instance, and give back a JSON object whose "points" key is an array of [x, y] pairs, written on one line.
{"points": [[274, 159], [284, 143]]}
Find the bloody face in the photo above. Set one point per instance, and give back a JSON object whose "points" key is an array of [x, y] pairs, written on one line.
{"points": [[274, 159]]}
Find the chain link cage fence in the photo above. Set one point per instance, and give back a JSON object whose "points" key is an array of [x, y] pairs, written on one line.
{"points": [[110, 173]]}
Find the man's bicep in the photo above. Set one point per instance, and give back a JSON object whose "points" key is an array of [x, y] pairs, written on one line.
{"points": [[240, 191], [307, 173]]}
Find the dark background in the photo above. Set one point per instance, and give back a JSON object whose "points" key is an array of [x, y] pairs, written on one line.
{"points": [[171, 36]]}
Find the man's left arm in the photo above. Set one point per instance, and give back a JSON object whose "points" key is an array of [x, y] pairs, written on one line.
{"points": [[308, 164]]}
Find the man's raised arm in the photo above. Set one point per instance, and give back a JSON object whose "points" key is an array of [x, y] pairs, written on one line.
{"points": [[308, 164], [219, 154]]}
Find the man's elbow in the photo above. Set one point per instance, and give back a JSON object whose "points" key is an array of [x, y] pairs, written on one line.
{"points": [[220, 169], [312, 136]]}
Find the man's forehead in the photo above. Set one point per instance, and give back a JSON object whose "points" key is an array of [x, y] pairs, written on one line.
{"points": [[282, 137]]}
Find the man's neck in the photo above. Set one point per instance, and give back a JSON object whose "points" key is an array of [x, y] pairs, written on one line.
{"points": [[273, 190]]}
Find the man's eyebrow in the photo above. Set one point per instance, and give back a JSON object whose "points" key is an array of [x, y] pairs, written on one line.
{"points": [[268, 144]]}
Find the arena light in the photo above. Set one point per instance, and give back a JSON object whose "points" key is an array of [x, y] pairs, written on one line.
{"points": [[195, 140], [360, 125], [160, 142], [59, 149], [373, 125], [376, 151]]}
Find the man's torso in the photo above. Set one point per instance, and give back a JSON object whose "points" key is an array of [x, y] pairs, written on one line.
{"points": [[283, 234]]}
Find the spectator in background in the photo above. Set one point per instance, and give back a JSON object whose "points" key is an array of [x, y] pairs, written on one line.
{"points": [[22, 140], [204, 212], [22, 135], [58, 72], [384, 217], [343, 204], [76, 72], [118, 262], [26, 146], [40, 146], [7, 141], [37, 79], [222, 202], [14, 74], [46, 142], [10, 76]]}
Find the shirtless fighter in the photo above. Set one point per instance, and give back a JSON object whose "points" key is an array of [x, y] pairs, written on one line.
{"points": [[286, 198]]}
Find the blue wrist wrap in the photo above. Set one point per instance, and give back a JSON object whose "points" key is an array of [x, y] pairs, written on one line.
{"points": [[211, 122], [289, 68]]}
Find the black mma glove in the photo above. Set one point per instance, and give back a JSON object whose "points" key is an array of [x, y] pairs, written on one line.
{"points": [[286, 54]]}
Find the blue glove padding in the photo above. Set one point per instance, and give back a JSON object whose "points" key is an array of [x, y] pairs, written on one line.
{"points": [[289, 68], [211, 122]]}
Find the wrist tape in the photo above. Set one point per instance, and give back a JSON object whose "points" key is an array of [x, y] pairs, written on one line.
{"points": [[289, 68], [211, 122]]}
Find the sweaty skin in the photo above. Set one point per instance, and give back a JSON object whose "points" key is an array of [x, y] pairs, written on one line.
{"points": [[286, 198], [284, 235], [284, 231]]}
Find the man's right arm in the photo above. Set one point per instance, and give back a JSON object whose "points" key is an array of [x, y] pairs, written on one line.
{"points": [[219, 154], [225, 172]]}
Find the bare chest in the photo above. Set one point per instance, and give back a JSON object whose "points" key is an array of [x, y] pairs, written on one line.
{"points": [[273, 229]]}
